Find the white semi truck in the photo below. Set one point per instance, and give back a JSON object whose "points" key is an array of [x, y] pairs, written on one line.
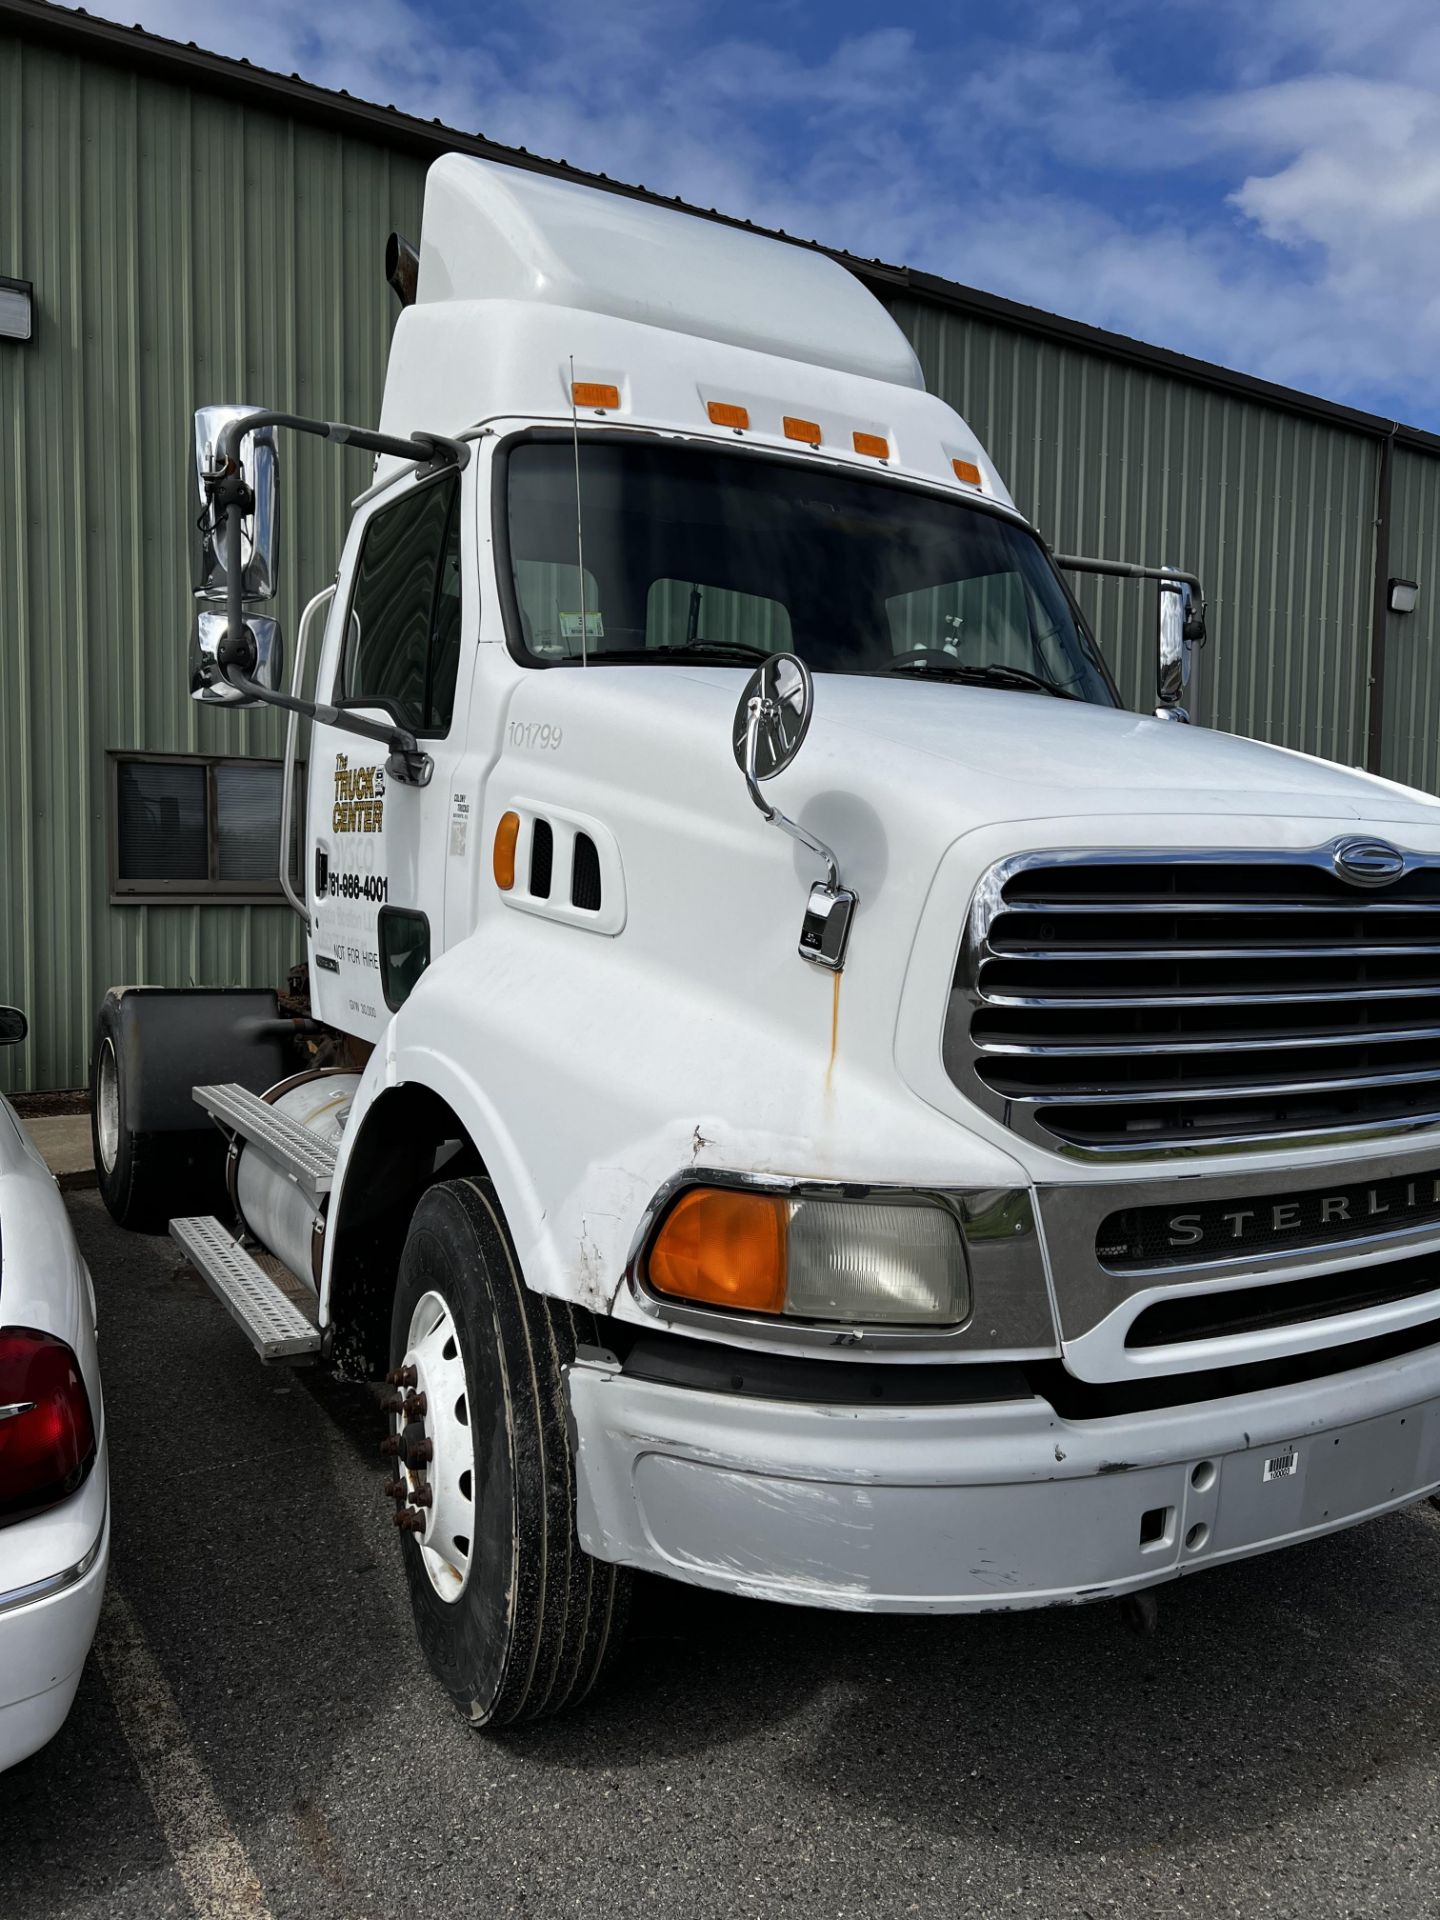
{"points": [[1002, 1170]]}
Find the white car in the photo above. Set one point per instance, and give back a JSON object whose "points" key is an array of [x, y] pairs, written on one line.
{"points": [[54, 1472]]}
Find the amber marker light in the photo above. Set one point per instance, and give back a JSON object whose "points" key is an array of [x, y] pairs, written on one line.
{"points": [[723, 414], [724, 1247], [594, 393], [967, 471], [506, 834], [807, 430], [875, 444]]}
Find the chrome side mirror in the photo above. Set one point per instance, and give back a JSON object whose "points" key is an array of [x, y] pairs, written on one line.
{"points": [[260, 526], [13, 1026], [1181, 630], [771, 721], [208, 684]]}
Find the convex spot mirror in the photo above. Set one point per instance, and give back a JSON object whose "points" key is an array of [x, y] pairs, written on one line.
{"points": [[208, 684], [13, 1026], [773, 716], [259, 529], [1181, 630]]}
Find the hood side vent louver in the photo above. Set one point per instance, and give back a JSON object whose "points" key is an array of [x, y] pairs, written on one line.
{"points": [[585, 891]]}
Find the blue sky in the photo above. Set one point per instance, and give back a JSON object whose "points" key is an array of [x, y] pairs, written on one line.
{"points": [[1253, 181]]}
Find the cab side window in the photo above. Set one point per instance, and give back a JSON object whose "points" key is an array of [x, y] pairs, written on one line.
{"points": [[402, 641]]}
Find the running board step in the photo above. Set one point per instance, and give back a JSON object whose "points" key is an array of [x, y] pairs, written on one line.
{"points": [[298, 1151], [275, 1326]]}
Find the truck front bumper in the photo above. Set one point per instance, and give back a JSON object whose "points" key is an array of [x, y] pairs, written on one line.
{"points": [[968, 1508]]}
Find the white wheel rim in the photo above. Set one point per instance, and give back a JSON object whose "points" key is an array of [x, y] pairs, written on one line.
{"points": [[107, 1107], [448, 1539]]}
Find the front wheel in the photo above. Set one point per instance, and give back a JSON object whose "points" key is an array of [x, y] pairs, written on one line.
{"points": [[515, 1618]]}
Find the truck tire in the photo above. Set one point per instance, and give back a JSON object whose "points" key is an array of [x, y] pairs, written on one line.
{"points": [[517, 1621], [145, 1178]]}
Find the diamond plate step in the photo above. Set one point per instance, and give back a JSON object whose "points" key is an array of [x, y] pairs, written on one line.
{"points": [[276, 1327], [298, 1152]]}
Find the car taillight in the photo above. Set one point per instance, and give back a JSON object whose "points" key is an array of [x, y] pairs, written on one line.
{"points": [[47, 1437]]}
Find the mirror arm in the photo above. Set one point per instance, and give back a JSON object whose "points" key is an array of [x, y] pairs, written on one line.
{"points": [[228, 492], [1127, 570], [758, 712], [1131, 570]]}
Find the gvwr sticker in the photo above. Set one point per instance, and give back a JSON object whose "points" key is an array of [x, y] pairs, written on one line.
{"points": [[1282, 1466]]}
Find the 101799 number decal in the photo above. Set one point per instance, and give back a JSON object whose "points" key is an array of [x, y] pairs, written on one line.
{"points": [[536, 733]]}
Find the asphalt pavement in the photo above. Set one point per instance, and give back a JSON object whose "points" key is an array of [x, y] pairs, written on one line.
{"points": [[256, 1734]]}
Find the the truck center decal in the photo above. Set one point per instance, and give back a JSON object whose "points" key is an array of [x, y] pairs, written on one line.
{"points": [[359, 798]]}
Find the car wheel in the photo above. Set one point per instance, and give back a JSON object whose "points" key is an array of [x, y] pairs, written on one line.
{"points": [[515, 1618]]}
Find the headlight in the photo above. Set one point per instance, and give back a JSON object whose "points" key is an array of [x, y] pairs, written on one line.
{"points": [[894, 1263]]}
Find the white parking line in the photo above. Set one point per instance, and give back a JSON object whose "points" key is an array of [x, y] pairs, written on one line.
{"points": [[208, 1856]]}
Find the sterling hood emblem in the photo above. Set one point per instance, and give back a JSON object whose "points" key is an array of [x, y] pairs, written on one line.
{"points": [[1367, 863]]}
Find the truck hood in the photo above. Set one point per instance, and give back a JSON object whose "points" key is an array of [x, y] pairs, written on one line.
{"points": [[1036, 757]]}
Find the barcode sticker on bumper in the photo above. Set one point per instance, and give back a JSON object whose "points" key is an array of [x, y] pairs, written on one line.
{"points": [[1281, 1466]]}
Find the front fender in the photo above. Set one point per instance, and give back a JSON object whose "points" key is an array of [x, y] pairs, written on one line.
{"points": [[586, 1078]]}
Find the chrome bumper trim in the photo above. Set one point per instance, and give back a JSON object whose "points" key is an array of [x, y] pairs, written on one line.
{"points": [[56, 1582]]}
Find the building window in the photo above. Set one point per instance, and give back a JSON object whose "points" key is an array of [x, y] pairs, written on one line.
{"points": [[190, 827]]}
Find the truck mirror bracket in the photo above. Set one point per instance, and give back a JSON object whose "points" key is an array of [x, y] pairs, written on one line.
{"points": [[771, 722], [226, 488]]}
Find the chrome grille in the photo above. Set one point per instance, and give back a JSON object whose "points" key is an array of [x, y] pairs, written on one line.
{"points": [[1154, 1003]]}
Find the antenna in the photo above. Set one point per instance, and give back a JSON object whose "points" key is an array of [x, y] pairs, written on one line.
{"points": [[579, 524]]}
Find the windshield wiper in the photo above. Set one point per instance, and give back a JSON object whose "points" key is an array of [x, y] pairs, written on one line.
{"points": [[995, 675], [729, 652]]}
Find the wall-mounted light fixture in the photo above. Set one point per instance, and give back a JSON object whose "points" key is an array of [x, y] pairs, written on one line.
{"points": [[1403, 595], [17, 309]]}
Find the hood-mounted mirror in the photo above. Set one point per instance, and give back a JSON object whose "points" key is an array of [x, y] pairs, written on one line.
{"points": [[771, 721]]}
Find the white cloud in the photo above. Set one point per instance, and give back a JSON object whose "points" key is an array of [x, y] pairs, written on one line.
{"points": [[1281, 218]]}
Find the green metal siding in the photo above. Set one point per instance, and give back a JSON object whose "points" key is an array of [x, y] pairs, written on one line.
{"points": [[1410, 736], [1273, 511], [162, 281]]}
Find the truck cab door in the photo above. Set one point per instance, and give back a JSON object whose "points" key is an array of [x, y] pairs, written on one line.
{"points": [[392, 652]]}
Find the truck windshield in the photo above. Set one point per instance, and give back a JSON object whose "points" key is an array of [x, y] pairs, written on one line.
{"points": [[699, 555]]}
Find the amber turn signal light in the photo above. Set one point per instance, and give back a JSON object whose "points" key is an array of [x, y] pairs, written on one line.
{"points": [[594, 393], [723, 1247], [506, 834]]}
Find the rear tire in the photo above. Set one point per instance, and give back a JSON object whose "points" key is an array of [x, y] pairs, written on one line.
{"points": [[146, 1179], [522, 1622]]}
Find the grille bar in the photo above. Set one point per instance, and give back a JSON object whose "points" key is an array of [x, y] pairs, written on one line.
{"points": [[1304, 907], [1150, 1003], [1126, 1045]]}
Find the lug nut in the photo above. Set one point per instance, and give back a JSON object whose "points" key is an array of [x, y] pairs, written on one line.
{"points": [[423, 1496], [408, 1521], [401, 1377], [390, 1445], [392, 1403], [416, 1406], [396, 1489], [419, 1453]]}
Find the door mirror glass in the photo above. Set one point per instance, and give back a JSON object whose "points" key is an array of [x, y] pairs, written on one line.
{"points": [[1182, 626], [260, 528], [208, 684], [773, 716], [13, 1026]]}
